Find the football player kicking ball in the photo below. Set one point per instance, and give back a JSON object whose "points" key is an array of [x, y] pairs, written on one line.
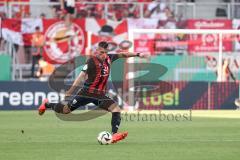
{"points": [[95, 75]]}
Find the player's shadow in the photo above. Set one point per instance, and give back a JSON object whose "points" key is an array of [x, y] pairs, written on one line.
{"points": [[85, 116], [94, 112]]}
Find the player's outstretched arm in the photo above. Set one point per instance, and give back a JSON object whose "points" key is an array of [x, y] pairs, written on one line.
{"points": [[79, 80], [130, 54]]}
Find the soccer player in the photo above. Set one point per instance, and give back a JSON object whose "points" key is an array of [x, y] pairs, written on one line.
{"points": [[95, 75]]}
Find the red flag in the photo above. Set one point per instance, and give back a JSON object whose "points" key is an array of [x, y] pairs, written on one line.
{"points": [[11, 31], [19, 31]]}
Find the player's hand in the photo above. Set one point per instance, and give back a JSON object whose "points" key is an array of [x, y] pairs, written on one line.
{"points": [[68, 96], [144, 55]]}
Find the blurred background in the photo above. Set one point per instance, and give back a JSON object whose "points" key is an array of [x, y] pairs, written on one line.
{"points": [[201, 70]]}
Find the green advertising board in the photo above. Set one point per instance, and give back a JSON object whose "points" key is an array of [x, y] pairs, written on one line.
{"points": [[177, 68], [5, 68]]}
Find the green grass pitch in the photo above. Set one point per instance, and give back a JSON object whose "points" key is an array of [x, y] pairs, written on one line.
{"points": [[26, 136]]}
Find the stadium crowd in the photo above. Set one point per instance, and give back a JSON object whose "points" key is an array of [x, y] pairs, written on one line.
{"points": [[113, 10], [116, 10]]}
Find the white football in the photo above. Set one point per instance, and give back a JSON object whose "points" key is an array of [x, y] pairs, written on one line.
{"points": [[237, 102], [104, 138]]}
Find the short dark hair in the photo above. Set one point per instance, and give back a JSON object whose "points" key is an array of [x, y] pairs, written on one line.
{"points": [[103, 44], [37, 28]]}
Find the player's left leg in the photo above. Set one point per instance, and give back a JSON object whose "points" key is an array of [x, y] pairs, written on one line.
{"points": [[111, 106], [116, 117], [116, 121]]}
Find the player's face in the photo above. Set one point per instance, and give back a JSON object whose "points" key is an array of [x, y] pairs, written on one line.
{"points": [[102, 53]]}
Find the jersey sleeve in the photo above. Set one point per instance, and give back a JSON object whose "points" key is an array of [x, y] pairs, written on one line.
{"points": [[113, 57], [88, 66], [85, 67]]}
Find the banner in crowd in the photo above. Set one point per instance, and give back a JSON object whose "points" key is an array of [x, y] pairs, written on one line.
{"points": [[143, 42], [183, 95], [11, 31], [62, 43], [19, 31], [106, 30], [153, 42], [208, 42]]}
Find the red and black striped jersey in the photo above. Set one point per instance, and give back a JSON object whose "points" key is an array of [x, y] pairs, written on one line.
{"points": [[98, 73]]}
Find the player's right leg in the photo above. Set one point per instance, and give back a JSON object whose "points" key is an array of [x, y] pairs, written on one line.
{"points": [[67, 106]]}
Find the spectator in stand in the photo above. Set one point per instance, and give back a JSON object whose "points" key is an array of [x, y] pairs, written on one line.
{"points": [[227, 74], [95, 10], [27, 15], [2, 44], [118, 11], [171, 22], [2, 41], [81, 10], [68, 11], [3, 15], [144, 0], [42, 16], [158, 10], [45, 70], [56, 9], [37, 48], [133, 10]]}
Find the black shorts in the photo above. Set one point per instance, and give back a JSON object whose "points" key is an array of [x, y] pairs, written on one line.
{"points": [[83, 98], [69, 9]]}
